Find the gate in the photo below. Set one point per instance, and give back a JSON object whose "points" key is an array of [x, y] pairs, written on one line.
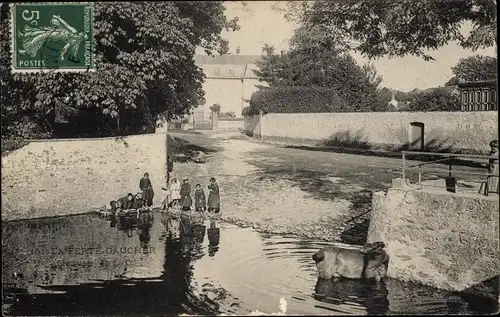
{"points": [[416, 136]]}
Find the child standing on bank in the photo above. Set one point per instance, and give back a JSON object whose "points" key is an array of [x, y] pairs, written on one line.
{"points": [[200, 203], [213, 197], [147, 188], [175, 196], [185, 192]]}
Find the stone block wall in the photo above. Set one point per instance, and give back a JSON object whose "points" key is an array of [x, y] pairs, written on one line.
{"points": [[446, 240], [58, 177], [468, 132]]}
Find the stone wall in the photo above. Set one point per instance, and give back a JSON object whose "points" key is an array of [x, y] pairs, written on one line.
{"points": [[252, 125], [468, 132], [446, 240], [230, 124], [56, 177]]}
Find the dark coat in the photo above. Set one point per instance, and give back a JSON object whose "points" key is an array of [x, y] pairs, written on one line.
{"points": [[186, 201], [185, 190], [139, 203], [213, 197], [147, 188], [199, 199], [125, 203]]}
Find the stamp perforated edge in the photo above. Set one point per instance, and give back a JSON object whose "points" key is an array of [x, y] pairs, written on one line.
{"points": [[13, 60]]}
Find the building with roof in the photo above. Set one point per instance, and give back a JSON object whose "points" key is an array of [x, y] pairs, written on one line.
{"points": [[450, 89], [230, 82], [478, 95]]}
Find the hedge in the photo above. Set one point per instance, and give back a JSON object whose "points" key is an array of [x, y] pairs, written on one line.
{"points": [[295, 99]]}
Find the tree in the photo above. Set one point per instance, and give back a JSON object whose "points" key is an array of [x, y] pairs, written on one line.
{"points": [[396, 28], [268, 49], [309, 65], [476, 68], [453, 81], [223, 47], [146, 69], [215, 108], [438, 99]]}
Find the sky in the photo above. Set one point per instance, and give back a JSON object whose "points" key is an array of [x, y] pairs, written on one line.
{"points": [[259, 24]]}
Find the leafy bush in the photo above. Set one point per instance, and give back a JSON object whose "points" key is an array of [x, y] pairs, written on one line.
{"points": [[10, 144], [438, 99], [296, 99], [229, 114], [249, 111]]}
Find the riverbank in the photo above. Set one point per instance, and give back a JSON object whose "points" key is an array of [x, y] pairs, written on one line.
{"points": [[288, 190], [260, 189]]}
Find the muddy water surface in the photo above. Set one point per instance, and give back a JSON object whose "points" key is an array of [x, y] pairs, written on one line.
{"points": [[160, 264]]}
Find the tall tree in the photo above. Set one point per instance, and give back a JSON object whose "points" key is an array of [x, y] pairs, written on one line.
{"points": [[396, 28], [308, 63], [145, 55], [476, 68]]}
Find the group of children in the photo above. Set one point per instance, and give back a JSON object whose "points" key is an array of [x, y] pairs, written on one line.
{"points": [[177, 194]]}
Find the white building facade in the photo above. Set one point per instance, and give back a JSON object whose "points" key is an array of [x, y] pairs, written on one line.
{"points": [[230, 82]]}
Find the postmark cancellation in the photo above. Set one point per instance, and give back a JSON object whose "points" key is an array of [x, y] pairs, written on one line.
{"points": [[54, 37]]}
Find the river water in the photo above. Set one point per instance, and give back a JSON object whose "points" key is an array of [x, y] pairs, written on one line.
{"points": [[164, 265]]}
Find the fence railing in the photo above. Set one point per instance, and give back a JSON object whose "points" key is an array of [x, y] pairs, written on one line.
{"points": [[449, 159]]}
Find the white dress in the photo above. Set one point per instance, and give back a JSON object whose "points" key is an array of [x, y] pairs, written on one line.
{"points": [[175, 189]]}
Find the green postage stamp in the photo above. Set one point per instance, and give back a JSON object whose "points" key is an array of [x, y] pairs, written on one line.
{"points": [[52, 37]]}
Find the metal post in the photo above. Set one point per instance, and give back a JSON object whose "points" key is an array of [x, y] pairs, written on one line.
{"points": [[451, 185], [403, 175], [419, 174]]}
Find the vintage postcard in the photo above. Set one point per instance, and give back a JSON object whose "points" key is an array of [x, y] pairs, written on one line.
{"points": [[187, 158], [52, 37]]}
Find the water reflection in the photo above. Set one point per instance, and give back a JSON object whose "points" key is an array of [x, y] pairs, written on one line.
{"points": [[373, 296], [213, 238], [144, 225], [69, 275], [157, 264]]}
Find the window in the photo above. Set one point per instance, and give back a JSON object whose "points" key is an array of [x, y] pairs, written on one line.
{"points": [[231, 71], [217, 71], [478, 96], [464, 97]]}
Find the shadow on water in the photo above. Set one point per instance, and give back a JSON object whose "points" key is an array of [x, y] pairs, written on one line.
{"points": [[357, 233], [482, 297], [158, 264]]}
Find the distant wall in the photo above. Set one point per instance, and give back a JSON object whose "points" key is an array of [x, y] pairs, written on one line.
{"points": [[252, 125], [446, 240], [230, 124], [443, 131], [55, 177]]}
